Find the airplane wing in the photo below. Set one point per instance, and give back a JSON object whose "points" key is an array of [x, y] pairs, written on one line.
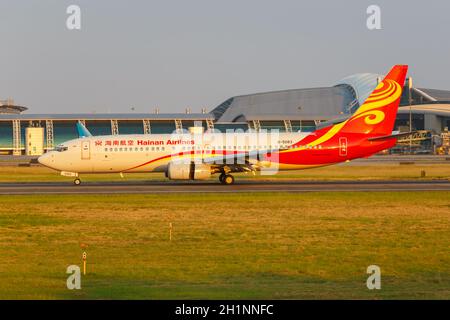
{"points": [[238, 157]]}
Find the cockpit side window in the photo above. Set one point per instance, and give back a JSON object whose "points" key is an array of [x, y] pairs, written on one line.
{"points": [[61, 148]]}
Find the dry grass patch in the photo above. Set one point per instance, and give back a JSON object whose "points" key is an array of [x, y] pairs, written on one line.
{"points": [[315, 245]]}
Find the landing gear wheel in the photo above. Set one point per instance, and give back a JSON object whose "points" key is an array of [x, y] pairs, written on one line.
{"points": [[228, 179], [77, 182], [221, 177]]}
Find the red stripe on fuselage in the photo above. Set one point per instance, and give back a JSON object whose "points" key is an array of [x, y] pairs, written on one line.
{"points": [[190, 153]]}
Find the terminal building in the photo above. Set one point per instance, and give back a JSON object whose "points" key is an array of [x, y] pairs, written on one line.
{"points": [[424, 110]]}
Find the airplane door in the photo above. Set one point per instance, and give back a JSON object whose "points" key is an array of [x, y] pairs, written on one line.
{"points": [[343, 146], [85, 150]]}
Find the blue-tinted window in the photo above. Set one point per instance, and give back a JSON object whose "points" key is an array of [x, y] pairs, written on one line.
{"points": [[6, 134], [233, 126], [303, 126], [131, 127], [99, 128], [273, 125], [160, 127], [64, 131]]}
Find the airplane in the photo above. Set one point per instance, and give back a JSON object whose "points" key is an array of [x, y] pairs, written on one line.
{"points": [[200, 155]]}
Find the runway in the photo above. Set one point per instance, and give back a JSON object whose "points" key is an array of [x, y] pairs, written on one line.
{"points": [[153, 187]]}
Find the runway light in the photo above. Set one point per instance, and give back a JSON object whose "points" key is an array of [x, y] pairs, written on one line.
{"points": [[84, 262]]}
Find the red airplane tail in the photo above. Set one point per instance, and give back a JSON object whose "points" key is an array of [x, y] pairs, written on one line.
{"points": [[376, 117], [367, 131]]}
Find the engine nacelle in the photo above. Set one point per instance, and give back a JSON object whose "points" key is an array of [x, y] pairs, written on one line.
{"points": [[188, 171]]}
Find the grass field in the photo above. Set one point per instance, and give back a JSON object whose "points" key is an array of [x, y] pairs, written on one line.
{"points": [[281, 246], [336, 172]]}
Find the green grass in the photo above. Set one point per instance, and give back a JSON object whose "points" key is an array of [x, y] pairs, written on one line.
{"points": [[336, 172], [255, 246]]}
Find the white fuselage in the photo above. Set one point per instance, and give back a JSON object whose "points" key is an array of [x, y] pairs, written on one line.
{"points": [[153, 152]]}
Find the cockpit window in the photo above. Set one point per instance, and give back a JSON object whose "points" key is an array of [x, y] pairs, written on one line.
{"points": [[61, 148]]}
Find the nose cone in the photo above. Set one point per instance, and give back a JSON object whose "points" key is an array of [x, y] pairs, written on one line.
{"points": [[44, 160]]}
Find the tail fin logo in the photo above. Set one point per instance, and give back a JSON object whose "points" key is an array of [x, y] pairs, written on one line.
{"points": [[376, 116], [372, 117], [385, 93]]}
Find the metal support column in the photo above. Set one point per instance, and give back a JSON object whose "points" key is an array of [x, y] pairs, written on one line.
{"points": [[257, 125], [288, 125], [178, 126], [49, 134], [351, 106], [147, 127], [17, 138], [410, 112], [114, 127], [210, 124]]}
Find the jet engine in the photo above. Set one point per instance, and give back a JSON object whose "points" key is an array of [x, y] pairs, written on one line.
{"points": [[188, 171]]}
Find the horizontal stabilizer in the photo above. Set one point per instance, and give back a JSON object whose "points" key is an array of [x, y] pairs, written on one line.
{"points": [[395, 135]]}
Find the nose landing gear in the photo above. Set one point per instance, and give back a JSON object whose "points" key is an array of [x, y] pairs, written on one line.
{"points": [[77, 182], [226, 179]]}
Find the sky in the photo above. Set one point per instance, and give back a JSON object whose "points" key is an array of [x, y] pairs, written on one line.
{"points": [[135, 56]]}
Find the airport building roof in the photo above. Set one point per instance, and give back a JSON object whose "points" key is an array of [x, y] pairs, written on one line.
{"points": [[9, 107], [325, 103], [362, 84], [297, 104], [108, 116], [438, 109], [439, 95]]}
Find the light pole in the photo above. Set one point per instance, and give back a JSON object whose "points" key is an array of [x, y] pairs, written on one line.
{"points": [[410, 113]]}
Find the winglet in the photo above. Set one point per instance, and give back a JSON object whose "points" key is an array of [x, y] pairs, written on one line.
{"points": [[82, 131]]}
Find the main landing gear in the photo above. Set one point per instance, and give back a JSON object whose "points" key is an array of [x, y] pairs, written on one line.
{"points": [[226, 179], [77, 182]]}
